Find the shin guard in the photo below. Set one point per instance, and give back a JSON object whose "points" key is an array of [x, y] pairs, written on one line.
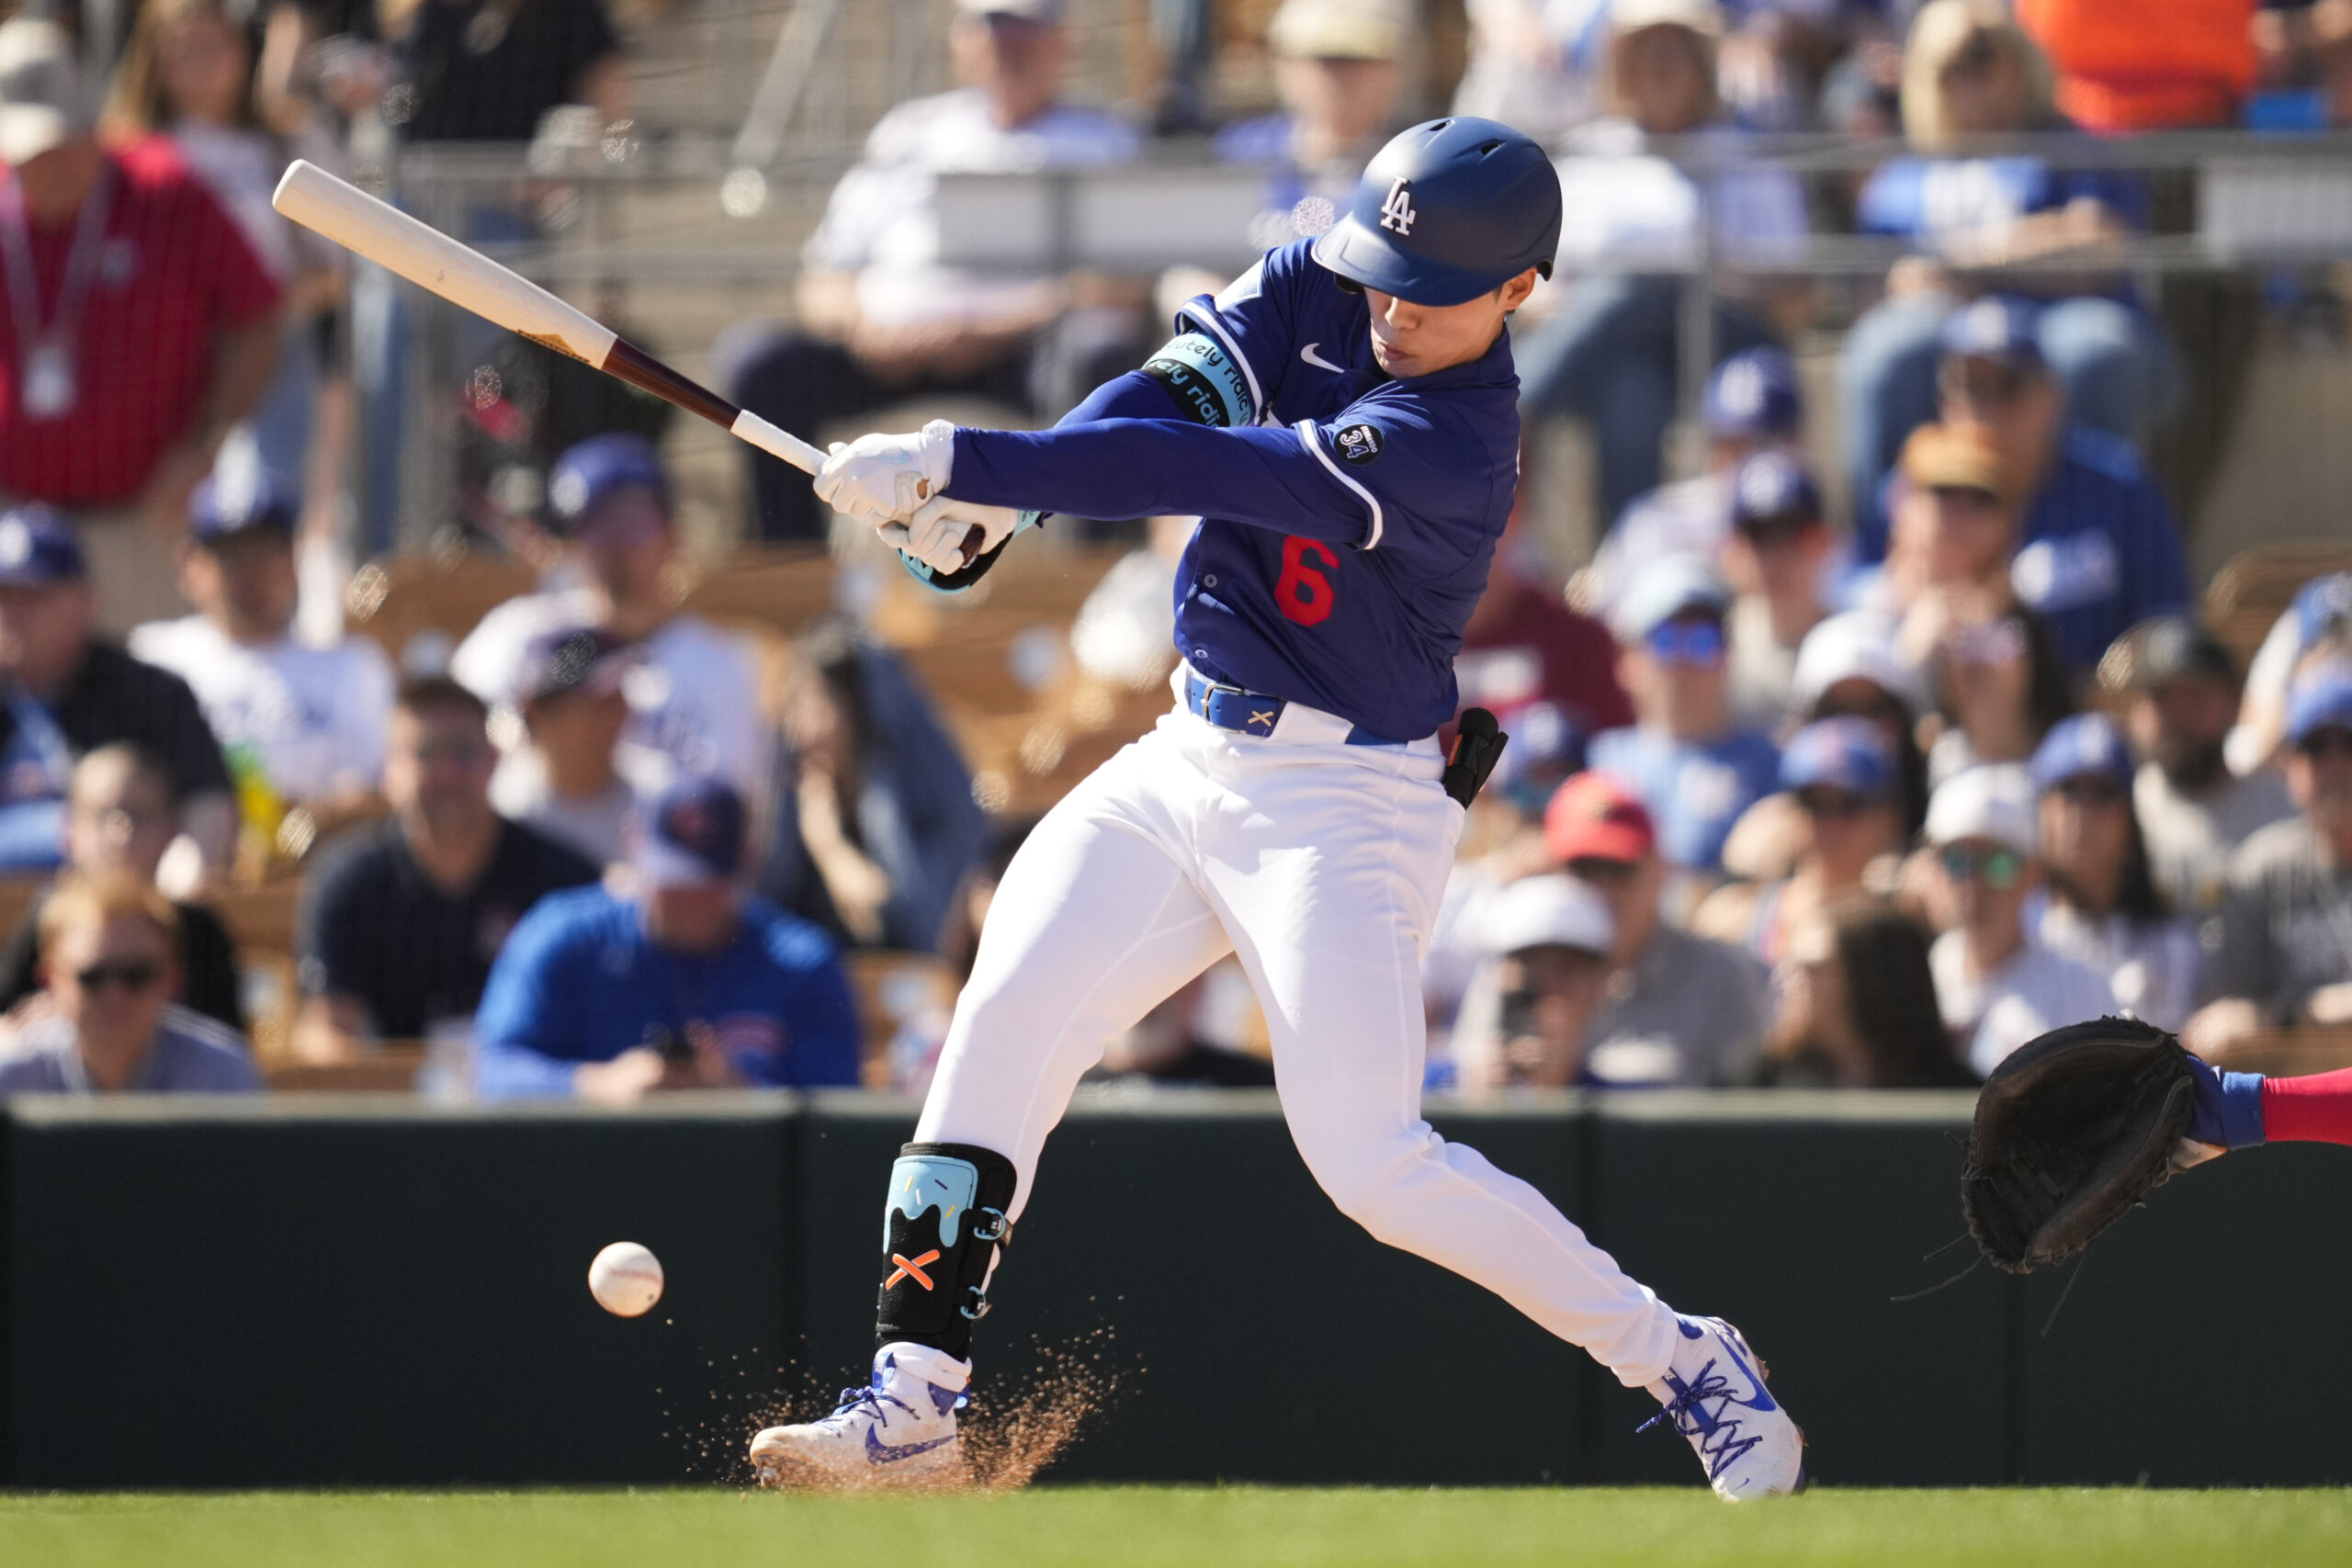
{"points": [[941, 1229]]}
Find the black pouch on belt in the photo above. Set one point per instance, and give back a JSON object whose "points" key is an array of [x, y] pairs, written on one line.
{"points": [[1478, 744]]}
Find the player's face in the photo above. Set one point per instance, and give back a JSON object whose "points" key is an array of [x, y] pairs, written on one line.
{"points": [[1419, 340]]}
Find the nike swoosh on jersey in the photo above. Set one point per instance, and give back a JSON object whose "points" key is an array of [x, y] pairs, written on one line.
{"points": [[878, 1452], [1317, 360]]}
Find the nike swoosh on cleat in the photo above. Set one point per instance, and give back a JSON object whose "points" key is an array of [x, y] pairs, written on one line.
{"points": [[1763, 1400], [1317, 360], [878, 1452]]}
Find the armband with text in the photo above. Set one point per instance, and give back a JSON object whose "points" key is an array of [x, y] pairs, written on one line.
{"points": [[1206, 381]]}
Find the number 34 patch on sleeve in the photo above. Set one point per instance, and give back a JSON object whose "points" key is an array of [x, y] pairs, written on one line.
{"points": [[1358, 444]]}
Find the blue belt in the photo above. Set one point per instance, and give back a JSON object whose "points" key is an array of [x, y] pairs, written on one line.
{"points": [[1251, 713]]}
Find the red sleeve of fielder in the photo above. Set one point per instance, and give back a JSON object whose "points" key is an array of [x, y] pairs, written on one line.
{"points": [[2313, 1110]]}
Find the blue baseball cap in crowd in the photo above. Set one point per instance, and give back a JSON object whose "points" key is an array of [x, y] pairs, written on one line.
{"points": [[1754, 396], [2320, 699], [1772, 487], [234, 498], [2088, 743], [1847, 753], [693, 835], [1999, 326], [1671, 586], [594, 469], [2321, 605], [39, 547]]}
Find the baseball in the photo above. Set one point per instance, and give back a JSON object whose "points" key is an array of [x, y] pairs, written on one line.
{"points": [[626, 1279]]}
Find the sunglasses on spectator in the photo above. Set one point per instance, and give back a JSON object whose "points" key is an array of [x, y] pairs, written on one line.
{"points": [[1969, 496], [2330, 742], [468, 751], [134, 975], [1997, 869], [1594, 869], [1827, 800], [1687, 642]]}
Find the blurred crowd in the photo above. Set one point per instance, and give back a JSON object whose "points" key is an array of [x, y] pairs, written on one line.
{"points": [[1857, 770]]}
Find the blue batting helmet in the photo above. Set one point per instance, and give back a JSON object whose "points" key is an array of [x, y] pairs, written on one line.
{"points": [[1448, 210]]}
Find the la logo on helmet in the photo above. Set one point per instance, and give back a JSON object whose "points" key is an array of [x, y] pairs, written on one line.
{"points": [[1398, 212]]}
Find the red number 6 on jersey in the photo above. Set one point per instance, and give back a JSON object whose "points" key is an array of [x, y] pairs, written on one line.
{"points": [[1305, 593]]}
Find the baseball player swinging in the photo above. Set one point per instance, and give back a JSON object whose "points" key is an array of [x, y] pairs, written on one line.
{"points": [[1344, 419]]}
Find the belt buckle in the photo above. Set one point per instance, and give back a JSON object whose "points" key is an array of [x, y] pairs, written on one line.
{"points": [[1260, 722]]}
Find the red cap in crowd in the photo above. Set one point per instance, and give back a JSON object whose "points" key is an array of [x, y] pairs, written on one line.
{"points": [[1595, 816]]}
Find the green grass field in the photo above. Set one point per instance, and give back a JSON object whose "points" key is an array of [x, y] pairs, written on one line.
{"points": [[1221, 1527]]}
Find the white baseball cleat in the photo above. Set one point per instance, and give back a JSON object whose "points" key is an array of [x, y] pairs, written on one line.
{"points": [[898, 1431], [1714, 1394]]}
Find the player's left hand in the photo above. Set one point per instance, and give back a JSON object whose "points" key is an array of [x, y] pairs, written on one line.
{"points": [[881, 479], [936, 534]]}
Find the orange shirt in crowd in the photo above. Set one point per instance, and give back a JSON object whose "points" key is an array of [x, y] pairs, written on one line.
{"points": [[2141, 64]]}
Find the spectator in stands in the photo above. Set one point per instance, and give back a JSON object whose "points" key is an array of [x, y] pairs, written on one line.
{"points": [[1609, 348], [1858, 1006], [186, 73], [2284, 954], [2003, 685], [120, 817], [489, 70], [1776, 555], [2154, 65], [1842, 774], [64, 692], [2183, 694], [120, 385], [694, 702], [1752, 405], [2320, 614], [1534, 64], [2096, 551], [1337, 74], [1679, 1010], [683, 983], [112, 968], [1548, 941], [1691, 764], [2100, 906], [872, 821], [322, 64], [1850, 664], [566, 780], [400, 921], [304, 722], [881, 320], [1969, 70], [1998, 986]]}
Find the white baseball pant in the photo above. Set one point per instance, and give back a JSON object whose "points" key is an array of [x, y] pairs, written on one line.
{"points": [[1320, 865]]}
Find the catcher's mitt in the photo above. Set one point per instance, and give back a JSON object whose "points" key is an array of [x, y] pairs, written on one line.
{"points": [[2074, 1129]]}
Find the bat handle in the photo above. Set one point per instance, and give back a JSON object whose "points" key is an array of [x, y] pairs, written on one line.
{"points": [[777, 441]]}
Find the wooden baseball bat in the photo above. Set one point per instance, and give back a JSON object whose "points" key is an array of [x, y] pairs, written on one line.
{"points": [[433, 262]]}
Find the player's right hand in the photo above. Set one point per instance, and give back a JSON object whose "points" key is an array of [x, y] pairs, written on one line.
{"points": [[882, 478]]}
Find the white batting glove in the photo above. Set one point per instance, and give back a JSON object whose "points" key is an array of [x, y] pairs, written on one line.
{"points": [[881, 479], [935, 534]]}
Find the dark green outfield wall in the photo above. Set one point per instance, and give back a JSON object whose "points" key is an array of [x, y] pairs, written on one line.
{"points": [[357, 1293]]}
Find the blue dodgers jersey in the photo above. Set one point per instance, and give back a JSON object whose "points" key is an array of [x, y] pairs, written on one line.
{"points": [[1695, 789], [1345, 538], [579, 980]]}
